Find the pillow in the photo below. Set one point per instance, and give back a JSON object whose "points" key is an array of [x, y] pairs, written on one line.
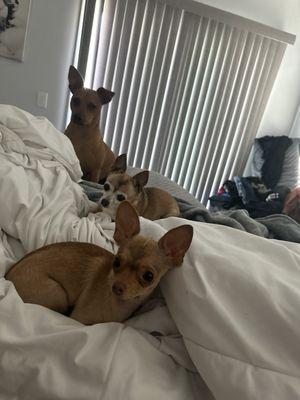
{"points": [[257, 160], [290, 170], [158, 180]]}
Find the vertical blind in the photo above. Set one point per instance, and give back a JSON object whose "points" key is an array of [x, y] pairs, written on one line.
{"points": [[191, 85]]}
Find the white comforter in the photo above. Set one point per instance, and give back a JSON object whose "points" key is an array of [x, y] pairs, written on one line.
{"points": [[235, 301]]}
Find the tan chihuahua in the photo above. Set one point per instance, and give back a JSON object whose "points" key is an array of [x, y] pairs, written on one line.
{"points": [[94, 155], [92, 285], [150, 202]]}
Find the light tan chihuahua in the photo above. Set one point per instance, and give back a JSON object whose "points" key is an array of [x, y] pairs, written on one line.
{"points": [[150, 202], [94, 155], [92, 285]]}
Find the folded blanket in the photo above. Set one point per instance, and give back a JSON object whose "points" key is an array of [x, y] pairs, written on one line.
{"points": [[276, 226]]}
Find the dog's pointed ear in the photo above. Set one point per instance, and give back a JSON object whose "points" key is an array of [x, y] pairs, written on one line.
{"points": [[176, 242], [105, 95], [75, 79], [141, 178], [127, 222], [120, 163]]}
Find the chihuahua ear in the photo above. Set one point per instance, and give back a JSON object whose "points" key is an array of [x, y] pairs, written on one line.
{"points": [[141, 178], [127, 222], [105, 95], [176, 242], [75, 79], [120, 163]]}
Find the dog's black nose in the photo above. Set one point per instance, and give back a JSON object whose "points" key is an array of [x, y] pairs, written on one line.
{"points": [[77, 119], [104, 203], [118, 288]]}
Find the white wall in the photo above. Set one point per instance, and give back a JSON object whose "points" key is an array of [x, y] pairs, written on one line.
{"points": [[48, 54], [285, 96]]}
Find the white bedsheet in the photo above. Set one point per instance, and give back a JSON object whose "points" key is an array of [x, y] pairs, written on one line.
{"points": [[235, 301]]}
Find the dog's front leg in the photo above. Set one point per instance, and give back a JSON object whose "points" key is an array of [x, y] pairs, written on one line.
{"points": [[94, 176], [88, 313]]}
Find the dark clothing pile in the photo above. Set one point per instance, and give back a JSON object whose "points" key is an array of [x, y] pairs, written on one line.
{"points": [[259, 196], [251, 194]]}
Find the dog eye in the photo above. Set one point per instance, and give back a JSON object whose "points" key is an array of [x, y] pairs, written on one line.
{"points": [[120, 197], [117, 263], [91, 106], [106, 187], [76, 101], [148, 276]]}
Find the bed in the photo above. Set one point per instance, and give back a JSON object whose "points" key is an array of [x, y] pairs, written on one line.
{"points": [[224, 326]]}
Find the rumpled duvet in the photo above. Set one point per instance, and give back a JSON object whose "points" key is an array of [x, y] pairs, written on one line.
{"points": [[226, 327]]}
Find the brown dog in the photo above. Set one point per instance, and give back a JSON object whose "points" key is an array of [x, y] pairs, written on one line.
{"points": [[94, 155], [150, 202], [93, 285]]}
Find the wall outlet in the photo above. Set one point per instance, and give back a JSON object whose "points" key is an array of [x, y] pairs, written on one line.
{"points": [[42, 99]]}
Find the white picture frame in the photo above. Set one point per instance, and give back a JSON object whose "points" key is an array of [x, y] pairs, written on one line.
{"points": [[14, 16]]}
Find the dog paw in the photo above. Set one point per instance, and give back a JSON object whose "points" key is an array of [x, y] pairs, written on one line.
{"points": [[94, 207]]}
